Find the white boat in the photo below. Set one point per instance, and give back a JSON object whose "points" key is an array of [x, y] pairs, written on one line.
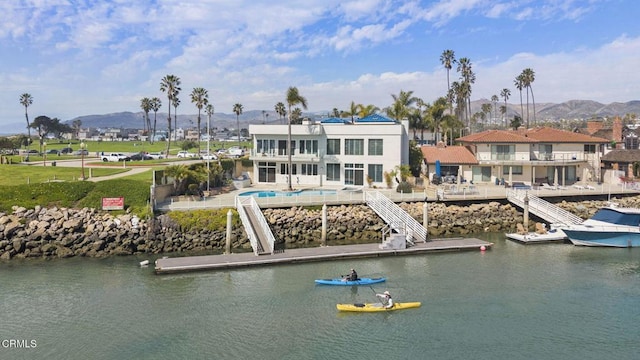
{"points": [[541, 235], [609, 226]]}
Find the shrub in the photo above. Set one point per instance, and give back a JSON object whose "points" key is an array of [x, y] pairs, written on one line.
{"points": [[404, 187]]}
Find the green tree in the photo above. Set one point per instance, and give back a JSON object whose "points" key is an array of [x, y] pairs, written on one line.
{"points": [[519, 84], [280, 110], [237, 109], [353, 111], [528, 77], [494, 100], [505, 94], [200, 97], [176, 103], [448, 58], [401, 104], [145, 105], [26, 100], [468, 78], [516, 122], [170, 85], [156, 104], [366, 110], [293, 98]]}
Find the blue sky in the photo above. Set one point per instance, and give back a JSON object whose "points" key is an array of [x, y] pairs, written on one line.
{"points": [[82, 57]]}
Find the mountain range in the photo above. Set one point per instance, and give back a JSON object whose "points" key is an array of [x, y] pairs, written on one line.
{"points": [[574, 109]]}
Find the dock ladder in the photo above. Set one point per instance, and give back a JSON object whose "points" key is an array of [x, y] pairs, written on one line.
{"points": [[258, 230], [397, 219], [543, 209]]}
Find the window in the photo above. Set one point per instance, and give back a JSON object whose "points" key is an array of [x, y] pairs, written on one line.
{"points": [[515, 170], [308, 146], [333, 172], [503, 152], [590, 148], [266, 172], [309, 169], [284, 167], [375, 146], [265, 146], [333, 146], [354, 146], [375, 172]]}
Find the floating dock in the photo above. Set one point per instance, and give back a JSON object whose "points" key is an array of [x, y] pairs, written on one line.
{"points": [[169, 265]]}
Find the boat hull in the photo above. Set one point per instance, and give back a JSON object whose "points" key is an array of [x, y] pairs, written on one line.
{"points": [[533, 237], [376, 307], [342, 282], [603, 238]]}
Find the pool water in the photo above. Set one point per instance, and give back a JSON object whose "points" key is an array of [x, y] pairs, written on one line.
{"points": [[274, 193]]}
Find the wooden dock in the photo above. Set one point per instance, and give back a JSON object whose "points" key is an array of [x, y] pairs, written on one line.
{"points": [[325, 253]]}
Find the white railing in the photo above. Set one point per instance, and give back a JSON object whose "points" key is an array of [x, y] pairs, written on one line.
{"points": [[247, 224], [257, 212], [542, 208], [393, 214]]}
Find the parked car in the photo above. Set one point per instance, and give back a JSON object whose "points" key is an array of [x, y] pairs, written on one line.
{"points": [[235, 151], [81, 152], [66, 150], [156, 155], [141, 156], [206, 156], [53, 152], [114, 157], [186, 154], [220, 151]]}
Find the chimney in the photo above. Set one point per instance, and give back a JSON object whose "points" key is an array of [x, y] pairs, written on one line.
{"points": [[617, 132]]}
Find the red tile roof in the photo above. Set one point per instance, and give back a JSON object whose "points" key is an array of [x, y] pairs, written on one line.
{"points": [[535, 135], [456, 155]]}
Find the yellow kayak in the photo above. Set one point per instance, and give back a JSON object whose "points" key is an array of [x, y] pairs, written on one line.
{"points": [[375, 307]]}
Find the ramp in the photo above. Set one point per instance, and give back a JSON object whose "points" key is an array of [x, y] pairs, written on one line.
{"points": [[398, 219], [542, 208], [259, 233]]}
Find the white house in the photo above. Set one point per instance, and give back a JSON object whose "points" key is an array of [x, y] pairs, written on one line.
{"points": [[330, 152]]}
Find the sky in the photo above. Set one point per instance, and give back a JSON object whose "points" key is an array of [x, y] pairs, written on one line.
{"points": [[85, 57]]}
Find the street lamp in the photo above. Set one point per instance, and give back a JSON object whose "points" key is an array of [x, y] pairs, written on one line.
{"points": [[82, 149], [44, 153]]}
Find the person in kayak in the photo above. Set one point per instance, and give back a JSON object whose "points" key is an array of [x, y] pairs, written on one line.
{"points": [[353, 276], [386, 299]]}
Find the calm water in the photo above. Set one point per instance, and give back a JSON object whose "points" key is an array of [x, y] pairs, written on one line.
{"points": [[273, 193], [553, 301]]}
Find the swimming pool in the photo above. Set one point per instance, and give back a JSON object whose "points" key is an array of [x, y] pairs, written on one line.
{"points": [[274, 193]]}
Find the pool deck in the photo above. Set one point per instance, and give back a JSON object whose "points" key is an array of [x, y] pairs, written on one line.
{"points": [[170, 265]]}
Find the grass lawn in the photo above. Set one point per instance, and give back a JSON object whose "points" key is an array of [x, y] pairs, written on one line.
{"points": [[22, 174]]}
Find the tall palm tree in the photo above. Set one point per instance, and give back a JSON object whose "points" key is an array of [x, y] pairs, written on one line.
{"points": [[26, 100], [519, 84], [494, 100], [529, 76], [280, 110], [200, 97], [145, 105], [437, 113], [505, 94], [366, 110], [209, 111], [293, 98], [237, 108], [448, 58], [401, 104], [353, 110], [176, 103], [156, 104], [468, 78], [170, 84]]}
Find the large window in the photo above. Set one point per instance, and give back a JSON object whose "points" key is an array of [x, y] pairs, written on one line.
{"points": [[591, 148], [515, 170], [284, 167], [309, 169], [308, 146], [282, 147], [333, 146], [266, 171], [354, 146], [375, 172], [333, 172], [375, 146], [265, 146], [503, 152]]}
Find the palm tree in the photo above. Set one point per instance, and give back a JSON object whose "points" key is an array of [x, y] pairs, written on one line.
{"points": [[209, 111], [280, 110], [494, 100], [26, 100], [505, 93], [468, 78], [448, 58], [145, 105], [529, 76], [353, 110], [367, 110], [335, 113], [156, 104], [176, 103], [519, 84], [200, 97], [293, 98], [437, 113], [401, 104], [237, 108], [171, 85]]}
